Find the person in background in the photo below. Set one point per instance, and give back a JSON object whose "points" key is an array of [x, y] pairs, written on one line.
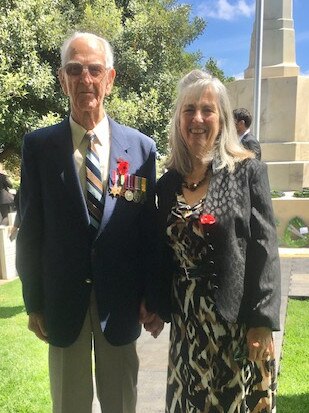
{"points": [[243, 120], [6, 198], [219, 260], [86, 239], [14, 229]]}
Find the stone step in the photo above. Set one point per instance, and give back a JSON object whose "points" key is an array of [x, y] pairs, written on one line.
{"points": [[288, 175], [287, 151]]}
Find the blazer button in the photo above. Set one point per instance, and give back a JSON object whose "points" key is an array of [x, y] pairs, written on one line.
{"points": [[88, 281]]}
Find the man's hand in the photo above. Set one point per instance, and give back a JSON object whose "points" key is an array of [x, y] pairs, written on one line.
{"points": [[36, 325], [155, 326], [152, 322], [260, 343], [144, 315]]}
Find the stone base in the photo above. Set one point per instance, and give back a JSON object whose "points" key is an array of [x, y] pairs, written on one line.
{"points": [[284, 127], [288, 151], [284, 107], [288, 176], [288, 207], [7, 254]]}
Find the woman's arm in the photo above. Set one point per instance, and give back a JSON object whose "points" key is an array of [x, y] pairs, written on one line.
{"points": [[263, 264]]}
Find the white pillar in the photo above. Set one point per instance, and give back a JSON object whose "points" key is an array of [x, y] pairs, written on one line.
{"points": [[278, 58]]}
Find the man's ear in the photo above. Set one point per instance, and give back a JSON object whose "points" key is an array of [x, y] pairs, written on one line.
{"points": [[62, 81], [110, 80]]}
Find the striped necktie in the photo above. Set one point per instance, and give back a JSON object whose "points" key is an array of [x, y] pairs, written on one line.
{"points": [[94, 182]]}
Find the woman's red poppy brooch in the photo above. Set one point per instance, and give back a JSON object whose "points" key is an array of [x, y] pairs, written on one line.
{"points": [[207, 219]]}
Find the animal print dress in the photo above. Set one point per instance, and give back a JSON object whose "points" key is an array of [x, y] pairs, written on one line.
{"points": [[207, 372]]}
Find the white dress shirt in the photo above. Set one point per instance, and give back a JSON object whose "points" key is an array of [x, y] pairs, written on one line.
{"points": [[244, 134], [102, 145]]}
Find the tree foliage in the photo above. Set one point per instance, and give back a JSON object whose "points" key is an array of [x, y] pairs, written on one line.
{"points": [[211, 66], [28, 56], [149, 39]]}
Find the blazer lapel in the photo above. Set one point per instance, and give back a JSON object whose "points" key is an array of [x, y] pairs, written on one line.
{"points": [[65, 166], [119, 150]]}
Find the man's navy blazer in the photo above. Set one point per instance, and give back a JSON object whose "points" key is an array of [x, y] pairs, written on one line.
{"points": [[57, 261]]}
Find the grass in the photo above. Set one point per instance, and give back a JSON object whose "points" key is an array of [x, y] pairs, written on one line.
{"points": [[24, 385], [293, 394]]}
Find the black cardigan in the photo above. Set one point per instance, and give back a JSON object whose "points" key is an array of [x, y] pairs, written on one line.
{"points": [[245, 240]]}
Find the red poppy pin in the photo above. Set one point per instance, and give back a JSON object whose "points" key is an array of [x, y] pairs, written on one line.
{"points": [[207, 219], [123, 167]]}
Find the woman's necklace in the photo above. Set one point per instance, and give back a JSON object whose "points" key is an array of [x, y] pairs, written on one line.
{"points": [[193, 187]]}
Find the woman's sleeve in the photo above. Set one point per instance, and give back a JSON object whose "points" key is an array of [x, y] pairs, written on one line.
{"points": [[263, 264]]}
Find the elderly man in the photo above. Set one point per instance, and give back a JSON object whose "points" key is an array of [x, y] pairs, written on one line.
{"points": [[85, 244], [243, 121]]}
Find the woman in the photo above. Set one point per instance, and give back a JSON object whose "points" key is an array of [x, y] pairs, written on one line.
{"points": [[217, 224]]}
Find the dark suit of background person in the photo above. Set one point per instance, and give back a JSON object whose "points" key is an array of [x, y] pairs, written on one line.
{"points": [[243, 120], [72, 283], [6, 198]]}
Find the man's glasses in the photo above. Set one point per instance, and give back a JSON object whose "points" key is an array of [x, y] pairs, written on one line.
{"points": [[76, 69]]}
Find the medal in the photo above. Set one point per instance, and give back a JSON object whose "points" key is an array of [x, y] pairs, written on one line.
{"points": [[137, 189], [143, 189], [128, 195], [115, 190], [136, 196], [129, 186]]}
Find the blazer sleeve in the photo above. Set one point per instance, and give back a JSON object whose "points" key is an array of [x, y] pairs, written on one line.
{"points": [[29, 241], [263, 264], [255, 147], [250, 142], [147, 228], [166, 197]]}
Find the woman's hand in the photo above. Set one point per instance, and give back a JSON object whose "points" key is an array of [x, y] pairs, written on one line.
{"points": [[260, 343]]}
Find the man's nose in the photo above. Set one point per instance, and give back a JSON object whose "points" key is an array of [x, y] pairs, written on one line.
{"points": [[85, 75]]}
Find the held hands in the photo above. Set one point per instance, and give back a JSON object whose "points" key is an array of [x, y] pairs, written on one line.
{"points": [[36, 325], [152, 322], [260, 343]]}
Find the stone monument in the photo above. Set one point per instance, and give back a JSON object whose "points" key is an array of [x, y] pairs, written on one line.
{"points": [[284, 122], [7, 251]]}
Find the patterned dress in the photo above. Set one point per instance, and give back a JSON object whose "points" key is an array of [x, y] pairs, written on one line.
{"points": [[208, 372]]}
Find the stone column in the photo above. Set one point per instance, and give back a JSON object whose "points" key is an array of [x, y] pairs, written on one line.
{"points": [[284, 121], [278, 41]]}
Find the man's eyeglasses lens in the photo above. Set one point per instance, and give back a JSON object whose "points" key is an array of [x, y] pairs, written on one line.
{"points": [[76, 69]]}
